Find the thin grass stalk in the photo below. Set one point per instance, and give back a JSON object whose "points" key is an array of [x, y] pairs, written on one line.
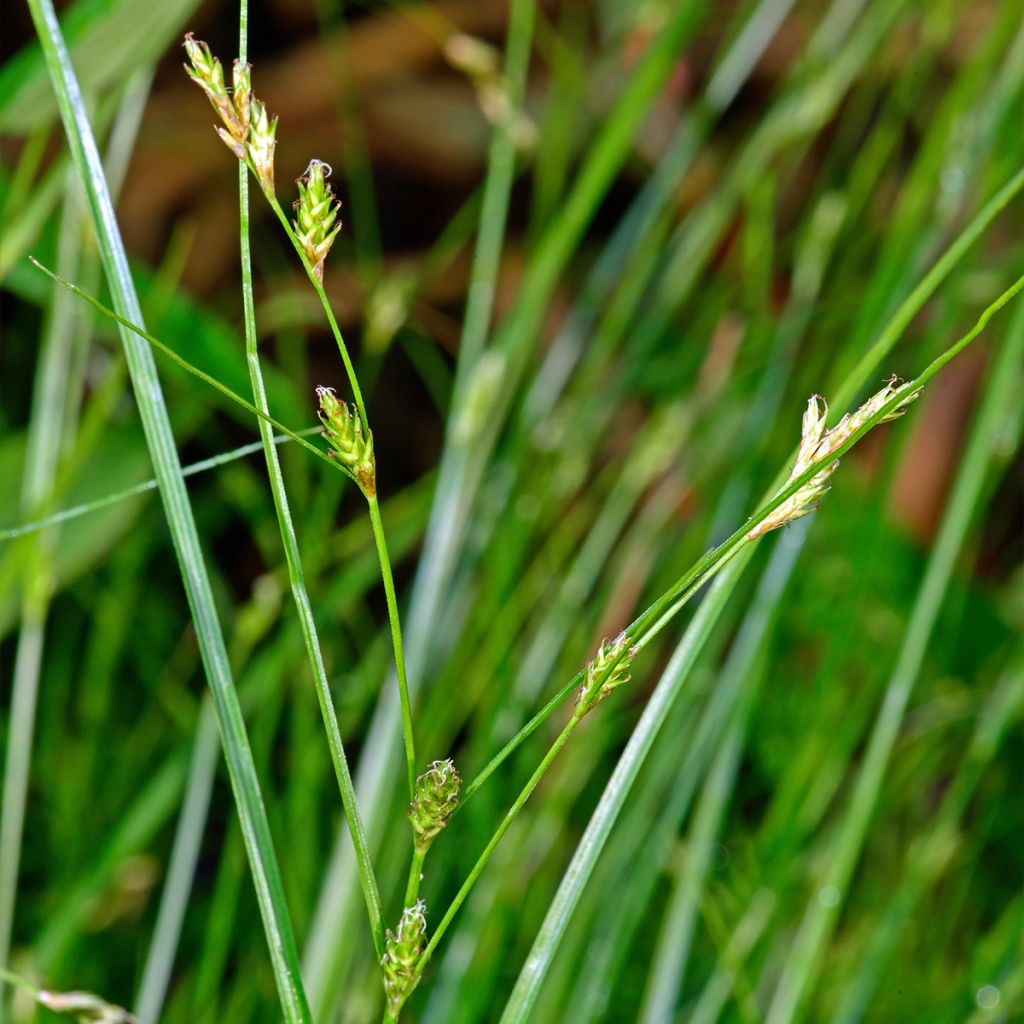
{"points": [[137, 490], [296, 576], [296, 436], [160, 438], [378, 526], [803, 964]]}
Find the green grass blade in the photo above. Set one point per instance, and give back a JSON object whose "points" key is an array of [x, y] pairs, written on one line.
{"points": [[145, 487], [141, 332], [160, 438]]}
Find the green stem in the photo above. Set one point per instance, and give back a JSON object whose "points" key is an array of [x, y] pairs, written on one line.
{"points": [[187, 366], [368, 880], [193, 468], [378, 527], [350, 370], [396, 641], [412, 887]]}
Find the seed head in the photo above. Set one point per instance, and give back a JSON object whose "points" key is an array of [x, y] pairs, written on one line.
{"points": [[344, 432], [205, 70], [817, 445], [436, 797], [605, 673], [261, 145], [86, 1008], [317, 211], [402, 948]]}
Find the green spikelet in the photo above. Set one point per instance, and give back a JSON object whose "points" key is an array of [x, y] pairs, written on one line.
{"points": [[402, 949], [317, 223], [437, 796], [604, 674], [261, 146], [344, 432]]}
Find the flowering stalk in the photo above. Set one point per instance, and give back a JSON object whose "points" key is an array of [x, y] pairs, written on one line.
{"points": [[312, 236], [819, 449]]}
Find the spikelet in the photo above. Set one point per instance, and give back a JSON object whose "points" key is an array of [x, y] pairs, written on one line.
{"points": [[436, 797], [402, 948], [317, 223], [344, 432], [817, 446], [205, 70], [261, 146], [604, 674]]}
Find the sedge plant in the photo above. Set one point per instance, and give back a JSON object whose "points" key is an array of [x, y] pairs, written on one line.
{"points": [[436, 795]]}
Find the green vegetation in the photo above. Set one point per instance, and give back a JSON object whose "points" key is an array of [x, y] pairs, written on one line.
{"points": [[617, 730]]}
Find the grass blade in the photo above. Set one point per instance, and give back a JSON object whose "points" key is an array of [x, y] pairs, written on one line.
{"points": [[160, 438]]}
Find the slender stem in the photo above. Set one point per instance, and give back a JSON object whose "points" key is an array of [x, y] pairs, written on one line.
{"points": [[186, 365], [412, 887], [193, 468], [367, 879], [350, 370], [378, 527], [396, 641]]}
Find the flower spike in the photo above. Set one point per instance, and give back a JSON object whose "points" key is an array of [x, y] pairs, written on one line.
{"points": [[605, 673], [344, 432], [317, 223], [402, 948], [205, 70], [817, 446], [437, 796], [262, 143]]}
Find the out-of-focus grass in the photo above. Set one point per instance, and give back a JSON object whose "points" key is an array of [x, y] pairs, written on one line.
{"points": [[825, 826]]}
